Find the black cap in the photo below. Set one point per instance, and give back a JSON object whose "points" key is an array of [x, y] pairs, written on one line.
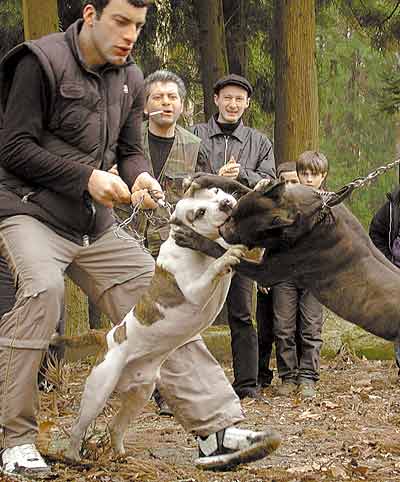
{"points": [[233, 79]]}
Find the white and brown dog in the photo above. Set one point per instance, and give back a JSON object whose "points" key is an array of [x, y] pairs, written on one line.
{"points": [[185, 296]]}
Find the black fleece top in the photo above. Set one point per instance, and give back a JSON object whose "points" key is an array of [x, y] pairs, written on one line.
{"points": [[25, 115]]}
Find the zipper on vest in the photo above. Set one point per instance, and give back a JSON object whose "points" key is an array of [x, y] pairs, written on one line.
{"points": [[85, 240], [104, 121], [226, 149]]}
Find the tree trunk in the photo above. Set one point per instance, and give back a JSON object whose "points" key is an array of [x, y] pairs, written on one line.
{"points": [[214, 59], [296, 88], [40, 18], [236, 14]]}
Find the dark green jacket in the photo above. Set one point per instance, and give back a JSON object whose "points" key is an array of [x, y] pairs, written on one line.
{"points": [[181, 162]]}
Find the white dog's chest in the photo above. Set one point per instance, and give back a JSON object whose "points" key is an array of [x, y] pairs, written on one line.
{"points": [[168, 299]]}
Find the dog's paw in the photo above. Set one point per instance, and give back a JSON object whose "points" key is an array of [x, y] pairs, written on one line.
{"points": [[262, 185], [238, 251], [117, 443], [231, 258], [72, 453]]}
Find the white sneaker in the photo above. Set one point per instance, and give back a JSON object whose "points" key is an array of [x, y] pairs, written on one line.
{"points": [[24, 460], [232, 446]]}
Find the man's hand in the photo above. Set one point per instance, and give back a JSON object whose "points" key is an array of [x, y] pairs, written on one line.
{"points": [[108, 189], [230, 169], [142, 187]]}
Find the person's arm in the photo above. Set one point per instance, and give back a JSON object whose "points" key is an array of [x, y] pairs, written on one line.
{"points": [[21, 152], [264, 168], [379, 230], [132, 166], [130, 157]]}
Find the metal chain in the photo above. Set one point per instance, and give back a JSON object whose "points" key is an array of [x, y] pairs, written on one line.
{"points": [[125, 229], [362, 181]]}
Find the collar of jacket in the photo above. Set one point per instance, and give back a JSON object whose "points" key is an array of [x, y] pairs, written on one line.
{"points": [[72, 37], [239, 133]]}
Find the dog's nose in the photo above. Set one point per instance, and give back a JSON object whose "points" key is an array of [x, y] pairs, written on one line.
{"points": [[226, 205]]}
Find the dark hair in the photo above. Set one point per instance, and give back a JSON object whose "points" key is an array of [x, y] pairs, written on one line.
{"points": [[99, 5], [286, 167], [164, 76], [233, 79], [314, 161]]}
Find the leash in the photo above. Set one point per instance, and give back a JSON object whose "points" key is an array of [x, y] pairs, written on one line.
{"points": [[331, 199], [125, 229]]}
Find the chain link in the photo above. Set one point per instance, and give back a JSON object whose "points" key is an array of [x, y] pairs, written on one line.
{"points": [[362, 181], [125, 229]]}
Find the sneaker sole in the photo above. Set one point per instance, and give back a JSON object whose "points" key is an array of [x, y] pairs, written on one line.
{"points": [[32, 476], [257, 451]]}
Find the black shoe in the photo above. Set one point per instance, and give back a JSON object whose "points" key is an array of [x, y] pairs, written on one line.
{"points": [[265, 379], [226, 449], [249, 392], [164, 409]]}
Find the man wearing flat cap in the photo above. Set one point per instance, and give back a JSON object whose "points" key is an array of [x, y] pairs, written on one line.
{"points": [[245, 154]]}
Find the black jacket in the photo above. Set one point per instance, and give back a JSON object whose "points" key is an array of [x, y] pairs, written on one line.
{"points": [[61, 120], [385, 224], [251, 149]]}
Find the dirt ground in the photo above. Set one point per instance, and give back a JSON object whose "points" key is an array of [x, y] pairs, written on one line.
{"points": [[350, 431]]}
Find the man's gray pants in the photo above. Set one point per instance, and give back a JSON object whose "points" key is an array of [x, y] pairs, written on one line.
{"points": [[113, 273]]}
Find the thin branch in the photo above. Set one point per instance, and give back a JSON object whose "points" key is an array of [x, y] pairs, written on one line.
{"points": [[391, 15]]}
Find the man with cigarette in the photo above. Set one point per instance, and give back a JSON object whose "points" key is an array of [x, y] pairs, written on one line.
{"points": [[172, 151], [244, 154]]}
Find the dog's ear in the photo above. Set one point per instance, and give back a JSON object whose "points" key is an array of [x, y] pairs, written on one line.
{"points": [[272, 189], [279, 222]]}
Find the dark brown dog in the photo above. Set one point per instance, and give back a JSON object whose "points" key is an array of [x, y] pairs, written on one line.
{"points": [[321, 247]]}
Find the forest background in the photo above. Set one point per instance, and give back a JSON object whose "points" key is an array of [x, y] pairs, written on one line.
{"points": [[326, 73]]}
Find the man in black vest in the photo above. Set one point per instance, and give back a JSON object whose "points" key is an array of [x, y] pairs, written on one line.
{"points": [[245, 154], [71, 107]]}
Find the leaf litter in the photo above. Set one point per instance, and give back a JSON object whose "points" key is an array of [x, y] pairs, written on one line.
{"points": [[349, 432]]}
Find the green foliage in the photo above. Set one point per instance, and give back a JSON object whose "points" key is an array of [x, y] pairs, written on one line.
{"points": [[379, 19], [389, 97], [356, 135], [11, 25]]}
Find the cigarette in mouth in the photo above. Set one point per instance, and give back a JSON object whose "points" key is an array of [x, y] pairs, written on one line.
{"points": [[156, 112]]}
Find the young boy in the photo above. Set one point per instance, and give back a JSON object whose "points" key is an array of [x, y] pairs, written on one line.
{"points": [[298, 353], [287, 173]]}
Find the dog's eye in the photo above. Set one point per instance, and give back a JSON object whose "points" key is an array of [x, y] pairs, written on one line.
{"points": [[216, 190], [200, 213]]}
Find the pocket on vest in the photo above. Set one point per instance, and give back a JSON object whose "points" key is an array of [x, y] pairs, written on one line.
{"points": [[70, 108]]}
